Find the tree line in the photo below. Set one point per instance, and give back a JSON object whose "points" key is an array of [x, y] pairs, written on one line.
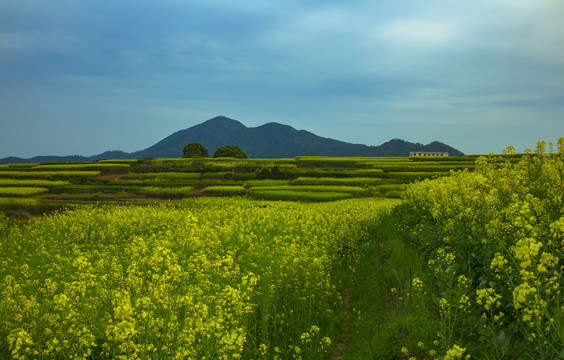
{"points": [[197, 150]]}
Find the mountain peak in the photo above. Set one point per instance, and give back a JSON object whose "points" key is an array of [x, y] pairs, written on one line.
{"points": [[274, 126], [224, 122]]}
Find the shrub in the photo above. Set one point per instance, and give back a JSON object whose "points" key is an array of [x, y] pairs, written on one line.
{"points": [[232, 151]]}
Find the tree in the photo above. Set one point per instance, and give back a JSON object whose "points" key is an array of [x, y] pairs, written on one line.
{"points": [[230, 151], [195, 150]]}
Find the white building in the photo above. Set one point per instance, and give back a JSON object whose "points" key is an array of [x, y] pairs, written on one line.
{"points": [[427, 153]]}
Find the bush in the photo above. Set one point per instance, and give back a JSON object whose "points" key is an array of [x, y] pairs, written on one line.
{"points": [[232, 151]]}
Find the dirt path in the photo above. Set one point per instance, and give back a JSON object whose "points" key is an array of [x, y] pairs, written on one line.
{"points": [[341, 346]]}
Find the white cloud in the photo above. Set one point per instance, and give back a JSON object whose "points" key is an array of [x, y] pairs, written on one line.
{"points": [[420, 32]]}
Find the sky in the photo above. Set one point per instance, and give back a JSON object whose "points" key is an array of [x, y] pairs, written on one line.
{"points": [[83, 77]]}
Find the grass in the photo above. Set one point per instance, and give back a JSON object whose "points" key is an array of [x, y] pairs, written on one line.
{"points": [[165, 190], [358, 181], [312, 188], [389, 319], [300, 195]]}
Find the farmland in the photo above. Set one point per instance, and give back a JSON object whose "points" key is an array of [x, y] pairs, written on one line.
{"points": [[181, 258], [304, 178]]}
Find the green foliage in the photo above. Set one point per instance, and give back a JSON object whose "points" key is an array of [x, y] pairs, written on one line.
{"points": [[21, 191], [195, 150], [232, 151], [300, 195], [277, 172]]}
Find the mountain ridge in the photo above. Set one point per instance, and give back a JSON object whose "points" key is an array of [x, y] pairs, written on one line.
{"points": [[270, 140]]}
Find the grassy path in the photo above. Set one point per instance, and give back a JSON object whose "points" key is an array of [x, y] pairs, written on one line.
{"points": [[375, 322], [348, 323]]}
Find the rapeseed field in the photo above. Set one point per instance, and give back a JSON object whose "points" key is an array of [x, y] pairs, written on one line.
{"points": [[493, 242], [203, 279]]}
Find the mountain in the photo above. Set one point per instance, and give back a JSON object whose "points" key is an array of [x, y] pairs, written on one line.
{"points": [[271, 140]]}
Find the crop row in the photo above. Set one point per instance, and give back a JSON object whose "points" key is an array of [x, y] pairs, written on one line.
{"points": [[34, 182], [15, 191], [314, 188], [300, 195], [49, 174], [81, 166]]}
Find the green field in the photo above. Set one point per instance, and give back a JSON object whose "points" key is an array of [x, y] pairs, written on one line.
{"points": [[175, 179]]}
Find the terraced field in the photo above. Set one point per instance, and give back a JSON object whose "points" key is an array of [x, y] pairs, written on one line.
{"points": [[304, 178]]}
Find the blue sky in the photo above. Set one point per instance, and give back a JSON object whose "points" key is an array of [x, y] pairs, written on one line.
{"points": [[82, 77]]}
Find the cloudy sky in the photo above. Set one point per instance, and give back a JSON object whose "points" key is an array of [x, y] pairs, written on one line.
{"points": [[82, 77]]}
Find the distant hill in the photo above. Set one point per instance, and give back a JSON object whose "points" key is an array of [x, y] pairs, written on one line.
{"points": [[271, 140]]}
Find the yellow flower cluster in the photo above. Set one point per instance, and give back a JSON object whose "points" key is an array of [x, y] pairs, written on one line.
{"points": [[498, 263], [417, 285], [456, 352], [488, 298]]}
